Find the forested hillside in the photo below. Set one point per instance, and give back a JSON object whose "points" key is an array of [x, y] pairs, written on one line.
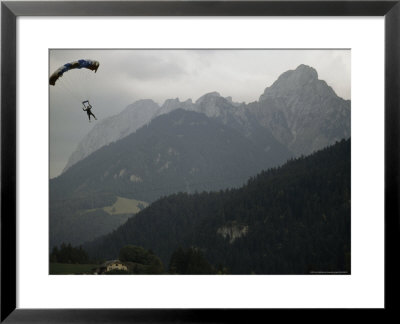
{"points": [[294, 219]]}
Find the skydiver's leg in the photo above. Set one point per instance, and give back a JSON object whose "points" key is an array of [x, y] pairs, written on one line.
{"points": [[88, 114], [93, 115]]}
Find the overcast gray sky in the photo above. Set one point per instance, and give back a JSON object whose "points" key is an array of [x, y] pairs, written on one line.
{"points": [[125, 76]]}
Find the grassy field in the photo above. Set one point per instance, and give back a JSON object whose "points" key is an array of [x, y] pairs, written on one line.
{"points": [[125, 206], [121, 206], [64, 268]]}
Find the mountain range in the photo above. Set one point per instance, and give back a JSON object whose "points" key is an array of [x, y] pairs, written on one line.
{"points": [[179, 151], [301, 111]]}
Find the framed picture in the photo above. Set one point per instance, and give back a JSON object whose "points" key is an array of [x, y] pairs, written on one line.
{"points": [[236, 157]]}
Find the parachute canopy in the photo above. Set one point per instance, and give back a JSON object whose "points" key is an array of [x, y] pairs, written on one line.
{"points": [[80, 64]]}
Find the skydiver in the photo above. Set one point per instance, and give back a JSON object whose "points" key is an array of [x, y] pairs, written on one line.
{"points": [[88, 109]]}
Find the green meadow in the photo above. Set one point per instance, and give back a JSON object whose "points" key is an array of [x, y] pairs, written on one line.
{"points": [[65, 268], [122, 206], [125, 206]]}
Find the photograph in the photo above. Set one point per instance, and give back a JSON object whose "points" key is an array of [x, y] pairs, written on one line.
{"points": [[199, 161]]}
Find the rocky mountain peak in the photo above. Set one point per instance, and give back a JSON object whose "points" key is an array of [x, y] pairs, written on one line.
{"points": [[140, 104], [303, 74], [302, 111], [211, 96], [173, 104], [170, 102], [302, 78], [170, 105], [307, 70]]}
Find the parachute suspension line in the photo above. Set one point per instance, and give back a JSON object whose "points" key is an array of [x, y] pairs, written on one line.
{"points": [[70, 88], [83, 85], [88, 80], [78, 84]]}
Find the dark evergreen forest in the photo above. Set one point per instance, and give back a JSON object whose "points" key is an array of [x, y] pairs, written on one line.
{"points": [[293, 219]]}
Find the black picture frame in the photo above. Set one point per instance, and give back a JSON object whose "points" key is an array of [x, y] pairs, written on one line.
{"points": [[10, 10]]}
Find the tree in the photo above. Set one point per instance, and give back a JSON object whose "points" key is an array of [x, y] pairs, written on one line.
{"points": [[140, 260], [69, 254], [190, 261]]}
